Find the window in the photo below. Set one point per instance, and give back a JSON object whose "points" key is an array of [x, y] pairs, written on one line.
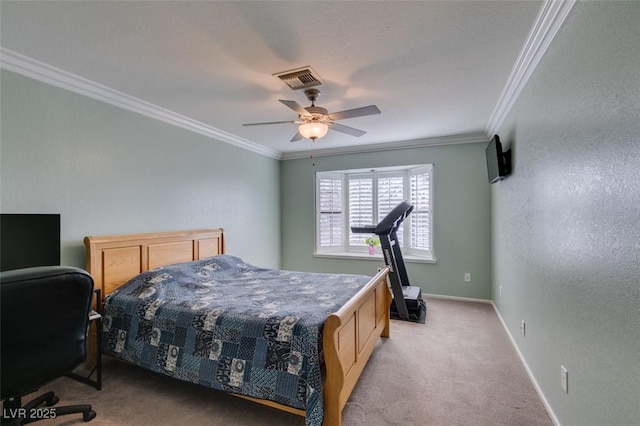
{"points": [[364, 197]]}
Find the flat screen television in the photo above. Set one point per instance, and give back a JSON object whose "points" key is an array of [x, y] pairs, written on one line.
{"points": [[498, 162], [28, 240]]}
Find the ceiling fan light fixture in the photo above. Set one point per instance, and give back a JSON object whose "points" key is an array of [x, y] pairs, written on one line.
{"points": [[313, 130]]}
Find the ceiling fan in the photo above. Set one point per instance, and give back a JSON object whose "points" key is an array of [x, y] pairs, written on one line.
{"points": [[315, 121]]}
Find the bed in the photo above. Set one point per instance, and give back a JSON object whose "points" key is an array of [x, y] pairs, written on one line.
{"points": [[315, 385]]}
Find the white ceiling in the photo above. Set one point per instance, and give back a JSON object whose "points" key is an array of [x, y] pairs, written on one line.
{"points": [[436, 69]]}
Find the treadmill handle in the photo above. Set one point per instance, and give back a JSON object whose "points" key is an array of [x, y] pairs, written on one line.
{"points": [[367, 229]]}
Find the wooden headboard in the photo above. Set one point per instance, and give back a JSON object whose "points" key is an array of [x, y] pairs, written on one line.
{"points": [[114, 260]]}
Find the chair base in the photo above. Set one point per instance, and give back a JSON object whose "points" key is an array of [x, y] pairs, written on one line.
{"points": [[41, 408]]}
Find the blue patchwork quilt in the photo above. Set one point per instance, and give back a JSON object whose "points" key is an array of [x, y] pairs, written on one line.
{"points": [[231, 326]]}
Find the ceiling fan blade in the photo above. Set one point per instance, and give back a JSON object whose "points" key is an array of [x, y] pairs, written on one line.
{"points": [[296, 107], [296, 137], [345, 129], [356, 112], [268, 122]]}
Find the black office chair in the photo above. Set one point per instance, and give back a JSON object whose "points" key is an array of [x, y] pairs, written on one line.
{"points": [[44, 322]]}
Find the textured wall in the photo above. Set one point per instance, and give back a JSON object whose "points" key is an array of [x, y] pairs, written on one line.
{"points": [[462, 217], [567, 222], [111, 171]]}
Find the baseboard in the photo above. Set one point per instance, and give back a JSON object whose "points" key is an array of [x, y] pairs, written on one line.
{"points": [[546, 404], [461, 299]]}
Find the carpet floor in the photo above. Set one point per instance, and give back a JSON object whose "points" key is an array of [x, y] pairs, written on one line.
{"points": [[459, 368]]}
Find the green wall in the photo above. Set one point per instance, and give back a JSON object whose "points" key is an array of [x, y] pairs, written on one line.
{"points": [[462, 217], [110, 171], [567, 222]]}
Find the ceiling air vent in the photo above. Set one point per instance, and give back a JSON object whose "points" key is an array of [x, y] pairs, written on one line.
{"points": [[300, 78]]}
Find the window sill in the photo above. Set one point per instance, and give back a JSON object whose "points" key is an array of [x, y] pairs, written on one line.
{"points": [[377, 257]]}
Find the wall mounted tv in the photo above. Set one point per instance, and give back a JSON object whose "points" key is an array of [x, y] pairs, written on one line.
{"points": [[498, 162], [28, 240]]}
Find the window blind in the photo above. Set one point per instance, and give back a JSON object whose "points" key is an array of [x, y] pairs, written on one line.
{"points": [[360, 207], [364, 197], [391, 192], [330, 216], [420, 219]]}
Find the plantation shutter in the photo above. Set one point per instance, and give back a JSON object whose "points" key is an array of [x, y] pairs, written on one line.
{"points": [[364, 197], [360, 206], [330, 211], [390, 194], [420, 195]]}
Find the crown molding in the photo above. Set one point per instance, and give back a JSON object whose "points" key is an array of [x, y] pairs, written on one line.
{"points": [[548, 22], [389, 146], [29, 67]]}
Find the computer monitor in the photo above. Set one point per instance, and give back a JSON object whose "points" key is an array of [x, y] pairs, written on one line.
{"points": [[28, 240]]}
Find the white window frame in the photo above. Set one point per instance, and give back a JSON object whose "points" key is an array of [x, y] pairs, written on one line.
{"points": [[413, 172], [347, 245], [332, 176], [349, 250]]}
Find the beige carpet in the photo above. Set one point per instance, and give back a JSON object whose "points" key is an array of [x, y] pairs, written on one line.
{"points": [[458, 368]]}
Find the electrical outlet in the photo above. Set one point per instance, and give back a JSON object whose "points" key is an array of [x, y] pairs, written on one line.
{"points": [[564, 379], [467, 277], [522, 328]]}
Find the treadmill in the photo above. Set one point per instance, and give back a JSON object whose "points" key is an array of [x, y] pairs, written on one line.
{"points": [[408, 304]]}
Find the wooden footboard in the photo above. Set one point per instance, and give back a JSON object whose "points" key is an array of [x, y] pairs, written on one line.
{"points": [[350, 334], [349, 337]]}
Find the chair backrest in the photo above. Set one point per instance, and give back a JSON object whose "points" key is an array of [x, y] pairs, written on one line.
{"points": [[44, 322]]}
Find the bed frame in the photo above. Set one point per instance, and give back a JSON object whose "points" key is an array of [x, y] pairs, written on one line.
{"points": [[350, 334]]}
